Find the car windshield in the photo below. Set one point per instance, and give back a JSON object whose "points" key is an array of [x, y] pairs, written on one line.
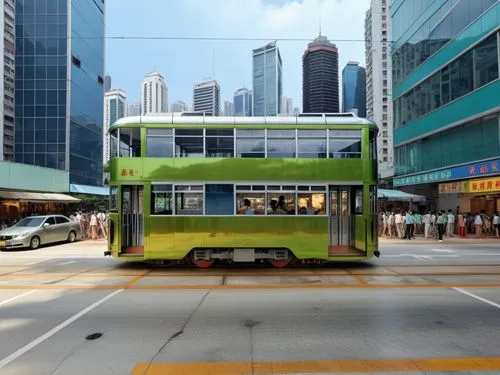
{"points": [[31, 222]]}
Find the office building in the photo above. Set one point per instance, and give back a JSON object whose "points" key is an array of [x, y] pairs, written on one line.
{"points": [[267, 81], [60, 87], [320, 77], [354, 89], [154, 94], [107, 83], [179, 106], [206, 98], [115, 103], [134, 108], [228, 108], [7, 72], [286, 106], [379, 82], [242, 102], [445, 61]]}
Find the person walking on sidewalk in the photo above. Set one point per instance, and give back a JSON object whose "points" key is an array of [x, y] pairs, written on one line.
{"points": [[478, 224], [441, 224], [410, 225], [93, 226], [450, 226], [427, 224], [461, 224], [398, 220]]}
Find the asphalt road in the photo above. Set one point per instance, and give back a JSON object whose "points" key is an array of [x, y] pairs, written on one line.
{"points": [[419, 309]]}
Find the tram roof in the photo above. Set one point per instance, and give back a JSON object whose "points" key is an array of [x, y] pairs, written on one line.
{"points": [[195, 119]]}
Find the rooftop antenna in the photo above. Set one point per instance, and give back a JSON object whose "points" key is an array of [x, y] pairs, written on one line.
{"points": [[320, 25]]}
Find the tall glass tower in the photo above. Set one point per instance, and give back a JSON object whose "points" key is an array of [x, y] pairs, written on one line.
{"points": [[60, 86], [267, 81], [354, 89]]}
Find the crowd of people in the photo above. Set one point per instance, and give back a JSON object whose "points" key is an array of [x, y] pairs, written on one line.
{"points": [[408, 224]]}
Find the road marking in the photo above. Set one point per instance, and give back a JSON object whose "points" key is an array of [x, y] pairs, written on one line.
{"points": [[478, 298], [12, 357], [443, 250], [69, 262], [16, 297], [321, 366]]}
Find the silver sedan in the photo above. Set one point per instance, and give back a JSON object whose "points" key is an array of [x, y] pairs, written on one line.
{"points": [[34, 231]]}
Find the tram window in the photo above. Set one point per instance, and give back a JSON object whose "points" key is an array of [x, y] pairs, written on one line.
{"points": [[161, 200], [373, 145], [344, 148], [281, 203], [281, 144], [373, 199], [219, 199], [159, 143], [219, 143], [358, 201], [188, 200], [311, 204], [250, 143], [311, 143], [257, 204], [113, 144], [113, 199], [130, 142], [189, 143]]}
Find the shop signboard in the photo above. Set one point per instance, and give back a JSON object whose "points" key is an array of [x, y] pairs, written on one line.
{"points": [[454, 187], [462, 172], [485, 185]]}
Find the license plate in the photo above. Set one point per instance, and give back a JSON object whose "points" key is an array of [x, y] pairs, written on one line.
{"points": [[2, 243]]}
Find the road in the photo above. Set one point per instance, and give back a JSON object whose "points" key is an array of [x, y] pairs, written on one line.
{"points": [[419, 309]]}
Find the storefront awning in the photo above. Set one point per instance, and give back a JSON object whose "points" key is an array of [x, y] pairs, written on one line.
{"points": [[397, 195], [87, 189], [38, 197]]}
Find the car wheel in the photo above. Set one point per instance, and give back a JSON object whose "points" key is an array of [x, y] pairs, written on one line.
{"points": [[35, 243], [71, 236]]}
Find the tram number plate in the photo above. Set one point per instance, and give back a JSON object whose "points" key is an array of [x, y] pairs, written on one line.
{"points": [[244, 255]]}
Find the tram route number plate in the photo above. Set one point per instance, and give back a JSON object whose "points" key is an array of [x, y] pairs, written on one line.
{"points": [[244, 255]]}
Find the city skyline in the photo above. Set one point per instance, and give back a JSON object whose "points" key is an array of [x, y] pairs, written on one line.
{"points": [[198, 60]]}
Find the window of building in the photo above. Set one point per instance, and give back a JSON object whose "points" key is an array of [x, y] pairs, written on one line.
{"points": [[250, 143], [159, 143], [219, 199], [344, 144], [384, 150], [461, 76], [189, 199], [130, 142], [486, 61], [385, 133], [189, 143], [281, 144], [311, 143], [161, 200], [219, 143]]}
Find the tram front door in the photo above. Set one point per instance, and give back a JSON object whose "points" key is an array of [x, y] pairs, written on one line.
{"points": [[345, 217], [132, 220]]}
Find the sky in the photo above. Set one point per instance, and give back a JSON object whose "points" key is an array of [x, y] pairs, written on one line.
{"points": [[185, 62]]}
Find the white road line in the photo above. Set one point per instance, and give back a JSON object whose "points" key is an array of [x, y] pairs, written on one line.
{"points": [[69, 262], [16, 297], [477, 297], [12, 357], [443, 250]]}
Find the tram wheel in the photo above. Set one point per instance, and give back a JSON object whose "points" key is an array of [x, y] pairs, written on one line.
{"points": [[202, 263], [280, 263]]}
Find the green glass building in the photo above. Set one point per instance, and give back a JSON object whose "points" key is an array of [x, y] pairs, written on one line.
{"points": [[446, 95]]}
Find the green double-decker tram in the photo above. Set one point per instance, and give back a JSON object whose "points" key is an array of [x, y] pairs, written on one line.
{"points": [[198, 189]]}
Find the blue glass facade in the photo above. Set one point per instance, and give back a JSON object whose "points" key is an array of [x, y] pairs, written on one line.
{"points": [[267, 81], [354, 89], [49, 132], [446, 100], [242, 102]]}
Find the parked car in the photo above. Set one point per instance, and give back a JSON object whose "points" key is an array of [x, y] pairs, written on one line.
{"points": [[34, 231]]}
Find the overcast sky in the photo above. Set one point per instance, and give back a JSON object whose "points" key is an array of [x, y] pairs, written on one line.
{"points": [[184, 62]]}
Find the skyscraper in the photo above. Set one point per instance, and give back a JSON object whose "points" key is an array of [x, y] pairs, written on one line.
{"points": [[228, 108], [107, 83], [286, 106], [179, 106], [320, 77], [267, 80], [7, 74], [134, 108], [206, 98], [379, 82], [114, 109], [354, 89], [242, 102], [154, 94], [60, 87]]}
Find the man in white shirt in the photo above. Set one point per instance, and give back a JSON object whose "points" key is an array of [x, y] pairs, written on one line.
{"points": [[450, 226], [427, 224], [93, 226], [478, 223], [398, 220]]}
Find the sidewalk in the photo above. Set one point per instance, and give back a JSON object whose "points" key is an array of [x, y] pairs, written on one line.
{"points": [[472, 240]]}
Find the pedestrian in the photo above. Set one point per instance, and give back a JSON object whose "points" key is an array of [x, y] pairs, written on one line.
{"points": [[427, 224], [461, 224], [398, 220], [441, 225], [478, 224], [410, 225], [450, 225], [93, 226], [391, 224], [496, 224]]}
